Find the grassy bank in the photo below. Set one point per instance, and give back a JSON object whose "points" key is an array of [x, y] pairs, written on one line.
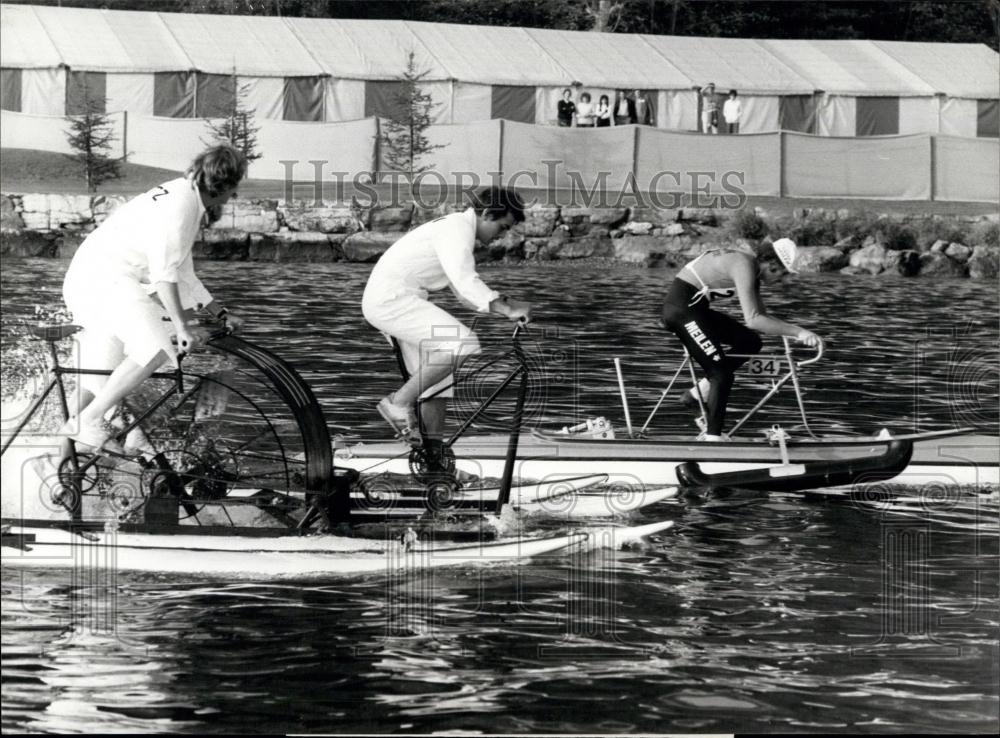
{"points": [[25, 170]]}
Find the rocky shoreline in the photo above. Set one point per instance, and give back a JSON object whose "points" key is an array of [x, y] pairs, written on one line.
{"points": [[848, 241]]}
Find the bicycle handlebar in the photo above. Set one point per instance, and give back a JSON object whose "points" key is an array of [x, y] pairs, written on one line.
{"points": [[805, 362]]}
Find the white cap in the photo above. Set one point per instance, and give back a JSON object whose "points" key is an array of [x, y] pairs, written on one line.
{"points": [[786, 250]]}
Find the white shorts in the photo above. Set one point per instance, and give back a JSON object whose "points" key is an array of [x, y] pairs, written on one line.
{"points": [[119, 320], [427, 335]]}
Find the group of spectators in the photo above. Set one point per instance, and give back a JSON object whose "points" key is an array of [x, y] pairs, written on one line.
{"points": [[638, 108], [626, 109]]}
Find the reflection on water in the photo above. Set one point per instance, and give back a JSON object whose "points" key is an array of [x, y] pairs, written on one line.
{"points": [[756, 613]]}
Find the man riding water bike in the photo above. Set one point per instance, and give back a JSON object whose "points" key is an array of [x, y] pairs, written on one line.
{"points": [[433, 343], [687, 312]]}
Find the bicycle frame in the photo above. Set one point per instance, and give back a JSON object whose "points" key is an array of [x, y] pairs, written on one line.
{"points": [[791, 375]]}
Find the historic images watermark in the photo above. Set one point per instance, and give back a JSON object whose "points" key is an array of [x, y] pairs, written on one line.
{"points": [[552, 184]]}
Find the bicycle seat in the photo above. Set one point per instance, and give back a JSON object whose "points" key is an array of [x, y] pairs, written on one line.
{"points": [[54, 331]]}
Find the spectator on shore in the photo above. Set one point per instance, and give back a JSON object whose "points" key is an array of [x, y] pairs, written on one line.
{"points": [[603, 112], [585, 111], [732, 110], [623, 111], [709, 109], [642, 109], [566, 110]]}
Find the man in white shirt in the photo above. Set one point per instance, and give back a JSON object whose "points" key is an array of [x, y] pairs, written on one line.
{"points": [[429, 258], [123, 276]]}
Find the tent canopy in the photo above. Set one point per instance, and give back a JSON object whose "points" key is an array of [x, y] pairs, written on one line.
{"points": [[611, 60], [498, 55], [956, 70], [92, 39], [857, 68], [732, 63], [365, 49]]}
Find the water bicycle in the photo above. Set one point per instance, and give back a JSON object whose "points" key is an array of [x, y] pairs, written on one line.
{"points": [[777, 459], [229, 470]]}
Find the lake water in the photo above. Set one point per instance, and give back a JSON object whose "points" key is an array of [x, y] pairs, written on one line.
{"points": [[755, 613]]}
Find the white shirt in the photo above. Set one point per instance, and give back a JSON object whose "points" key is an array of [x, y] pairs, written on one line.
{"points": [[732, 109], [149, 239], [433, 256]]}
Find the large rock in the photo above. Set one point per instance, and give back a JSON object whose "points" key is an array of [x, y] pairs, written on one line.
{"points": [[585, 217], [295, 246], [638, 228], [936, 264], [368, 246], [985, 263], [645, 250], [333, 219], [659, 217], [10, 219], [939, 246], [587, 247], [537, 249], [396, 218], [959, 252], [69, 210], [870, 259], [250, 216], [35, 211], [540, 220], [28, 243], [814, 259]]}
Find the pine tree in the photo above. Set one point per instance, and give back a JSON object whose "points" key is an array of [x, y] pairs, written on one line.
{"points": [[237, 128], [404, 144], [90, 135]]}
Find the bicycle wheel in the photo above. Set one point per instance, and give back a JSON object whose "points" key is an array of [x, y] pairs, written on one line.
{"points": [[244, 426]]}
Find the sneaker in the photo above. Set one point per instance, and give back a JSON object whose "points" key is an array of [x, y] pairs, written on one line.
{"points": [[712, 438], [402, 418], [95, 437], [701, 423]]}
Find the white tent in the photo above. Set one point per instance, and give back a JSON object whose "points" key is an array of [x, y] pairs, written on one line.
{"points": [[179, 65]]}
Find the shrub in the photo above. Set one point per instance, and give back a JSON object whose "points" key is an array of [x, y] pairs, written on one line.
{"points": [[898, 236], [747, 224], [983, 233], [930, 230]]}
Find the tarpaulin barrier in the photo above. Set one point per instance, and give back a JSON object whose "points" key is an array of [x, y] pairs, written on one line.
{"points": [[894, 168], [877, 116], [587, 153], [471, 152], [966, 169], [684, 162], [48, 132], [10, 89], [342, 147]]}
